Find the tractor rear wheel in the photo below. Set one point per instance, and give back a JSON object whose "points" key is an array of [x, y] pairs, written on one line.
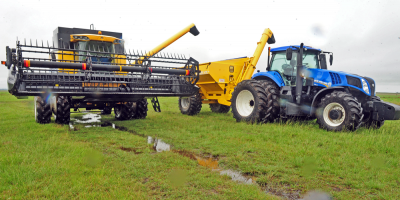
{"points": [[141, 109], [219, 108], [125, 111], [190, 105], [42, 111], [339, 111], [62, 114], [249, 101], [273, 106]]}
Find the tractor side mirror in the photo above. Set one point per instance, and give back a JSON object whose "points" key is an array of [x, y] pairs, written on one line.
{"points": [[330, 59], [322, 60], [289, 52]]}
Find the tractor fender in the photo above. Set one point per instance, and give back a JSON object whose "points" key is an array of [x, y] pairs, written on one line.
{"points": [[320, 94], [273, 75]]}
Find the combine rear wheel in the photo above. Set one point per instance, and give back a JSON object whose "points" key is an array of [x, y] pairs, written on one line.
{"points": [[42, 111], [190, 105], [62, 112], [339, 111], [249, 101], [219, 108], [106, 111], [141, 109], [125, 111]]}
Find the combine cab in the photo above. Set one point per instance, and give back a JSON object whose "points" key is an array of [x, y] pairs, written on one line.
{"points": [[90, 69]]}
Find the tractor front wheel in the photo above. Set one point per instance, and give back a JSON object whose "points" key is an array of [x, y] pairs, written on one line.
{"points": [[339, 111], [190, 105], [249, 101], [219, 108]]}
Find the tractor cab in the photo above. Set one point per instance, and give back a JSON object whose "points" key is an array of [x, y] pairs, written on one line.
{"points": [[312, 59]]}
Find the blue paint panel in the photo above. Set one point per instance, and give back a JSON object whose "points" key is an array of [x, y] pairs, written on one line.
{"points": [[275, 76], [328, 78], [285, 47]]}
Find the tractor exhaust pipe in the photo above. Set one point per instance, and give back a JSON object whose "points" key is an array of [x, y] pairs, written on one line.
{"points": [[299, 80]]}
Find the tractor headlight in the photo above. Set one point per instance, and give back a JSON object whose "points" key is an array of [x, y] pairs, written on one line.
{"points": [[365, 86]]}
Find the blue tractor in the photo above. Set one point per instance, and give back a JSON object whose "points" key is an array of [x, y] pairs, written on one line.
{"points": [[297, 85]]}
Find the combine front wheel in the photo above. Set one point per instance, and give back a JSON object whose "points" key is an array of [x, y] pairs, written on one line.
{"points": [[190, 105], [338, 111], [125, 111], [219, 108], [141, 109], [42, 111], [249, 101], [62, 112]]}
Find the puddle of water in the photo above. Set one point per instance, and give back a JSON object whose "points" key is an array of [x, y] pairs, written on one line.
{"points": [[237, 176], [88, 118]]}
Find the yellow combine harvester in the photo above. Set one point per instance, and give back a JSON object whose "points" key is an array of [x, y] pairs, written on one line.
{"points": [[218, 80]]}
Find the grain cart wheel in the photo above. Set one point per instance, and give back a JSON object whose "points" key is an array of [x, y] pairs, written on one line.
{"points": [[141, 109], [42, 111], [106, 111], [190, 105], [125, 110], [273, 107], [368, 122], [249, 101], [62, 109], [219, 108], [339, 111]]}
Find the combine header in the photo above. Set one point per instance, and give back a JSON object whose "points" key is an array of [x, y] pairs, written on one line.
{"points": [[90, 69]]}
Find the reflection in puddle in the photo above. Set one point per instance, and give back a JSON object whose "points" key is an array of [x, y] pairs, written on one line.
{"points": [[237, 176], [158, 145]]}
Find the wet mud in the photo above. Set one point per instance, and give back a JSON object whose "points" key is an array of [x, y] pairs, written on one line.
{"points": [[94, 120]]}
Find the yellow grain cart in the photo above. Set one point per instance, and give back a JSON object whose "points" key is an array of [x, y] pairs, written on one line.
{"points": [[218, 80]]}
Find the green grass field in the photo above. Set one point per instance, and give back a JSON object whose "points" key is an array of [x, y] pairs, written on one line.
{"points": [[52, 161]]}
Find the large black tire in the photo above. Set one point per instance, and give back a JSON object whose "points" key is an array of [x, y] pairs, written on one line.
{"points": [[347, 109], [106, 111], [249, 101], [272, 113], [219, 108], [62, 115], [141, 109], [368, 122], [42, 111], [190, 105], [125, 111]]}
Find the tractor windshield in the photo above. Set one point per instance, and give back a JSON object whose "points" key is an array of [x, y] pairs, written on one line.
{"points": [[288, 69]]}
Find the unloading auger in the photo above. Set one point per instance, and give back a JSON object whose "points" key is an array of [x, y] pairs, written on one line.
{"points": [[91, 69]]}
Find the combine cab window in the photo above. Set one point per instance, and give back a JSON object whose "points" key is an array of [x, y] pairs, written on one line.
{"points": [[96, 46]]}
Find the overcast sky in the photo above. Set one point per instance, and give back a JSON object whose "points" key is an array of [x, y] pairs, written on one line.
{"points": [[363, 35]]}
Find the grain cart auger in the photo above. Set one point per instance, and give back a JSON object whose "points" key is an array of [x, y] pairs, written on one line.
{"points": [[90, 69], [218, 79], [298, 85]]}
